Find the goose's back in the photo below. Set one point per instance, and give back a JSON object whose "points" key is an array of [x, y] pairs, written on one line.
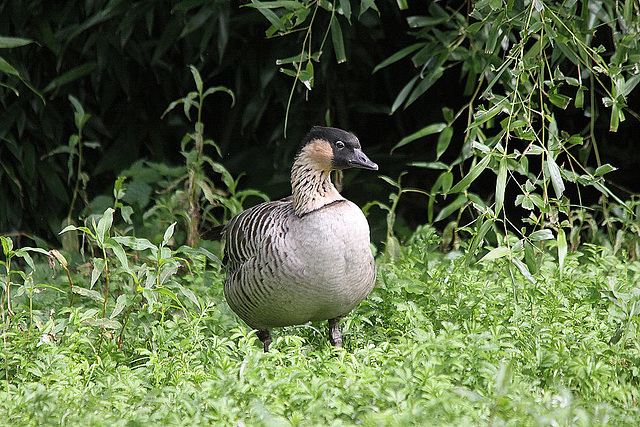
{"points": [[286, 270]]}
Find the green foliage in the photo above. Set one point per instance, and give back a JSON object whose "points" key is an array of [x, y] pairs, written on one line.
{"points": [[436, 343]]}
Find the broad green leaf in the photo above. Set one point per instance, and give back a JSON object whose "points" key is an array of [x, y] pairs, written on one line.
{"points": [[545, 234], [556, 177], [427, 81], [7, 244], [189, 294], [121, 303], [168, 234], [105, 323], [562, 250], [499, 252], [559, 100], [196, 78], [403, 94], [8, 68], [338, 42], [482, 116], [475, 171], [71, 75], [94, 295], [135, 243], [443, 141], [604, 169], [345, 9], [524, 269], [118, 251], [530, 257], [98, 267], [501, 184], [11, 42], [402, 53], [428, 130], [104, 226], [458, 203], [430, 165], [486, 225]]}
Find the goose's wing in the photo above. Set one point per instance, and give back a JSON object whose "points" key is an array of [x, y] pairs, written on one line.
{"points": [[255, 232]]}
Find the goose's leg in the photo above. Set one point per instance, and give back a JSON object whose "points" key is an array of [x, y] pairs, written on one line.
{"points": [[265, 337], [335, 334]]}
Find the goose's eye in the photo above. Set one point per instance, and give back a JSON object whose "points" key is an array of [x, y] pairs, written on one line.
{"points": [[340, 144]]}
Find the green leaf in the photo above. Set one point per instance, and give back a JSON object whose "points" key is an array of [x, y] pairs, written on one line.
{"points": [[402, 53], [403, 94], [196, 78], [458, 203], [501, 184], [475, 171], [94, 295], [104, 225], [479, 236], [562, 250], [428, 130], [604, 169], [135, 243], [98, 267], [8, 68], [104, 323], [121, 303], [559, 100], [443, 141], [11, 42], [482, 116], [338, 42], [189, 294], [345, 8], [7, 244], [544, 234], [556, 177], [71, 75], [168, 234], [524, 270], [499, 252]]}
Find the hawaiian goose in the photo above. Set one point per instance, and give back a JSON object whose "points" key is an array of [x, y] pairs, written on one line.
{"points": [[306, 257]]}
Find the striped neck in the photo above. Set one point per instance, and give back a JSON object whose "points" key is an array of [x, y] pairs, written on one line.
{"points": [[311, 188]]}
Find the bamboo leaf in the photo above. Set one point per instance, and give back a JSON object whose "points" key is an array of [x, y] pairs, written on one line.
{"points": [[94, 295], [475, 171], [501, 184], [428, 130], [562, 250], [402, 53], [556, 177], [443, 141], [403, 94], [71, 75], [168, 234], [458, 203], [499, 252], [338, 42]]}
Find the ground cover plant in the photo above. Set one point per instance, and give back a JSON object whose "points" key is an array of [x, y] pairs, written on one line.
{"points": [[437, 342], [521, 308]]}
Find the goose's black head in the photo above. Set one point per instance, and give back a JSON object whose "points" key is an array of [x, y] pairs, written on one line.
{"points": [[334, 149]]}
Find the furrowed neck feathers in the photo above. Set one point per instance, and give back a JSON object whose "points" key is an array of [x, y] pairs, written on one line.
{"points": [[311, 184]]}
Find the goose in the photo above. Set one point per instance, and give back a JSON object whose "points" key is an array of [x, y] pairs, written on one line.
{"points": [[306, 257]]}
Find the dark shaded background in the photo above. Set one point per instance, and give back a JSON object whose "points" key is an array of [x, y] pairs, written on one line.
{"points": [[137, 55]]}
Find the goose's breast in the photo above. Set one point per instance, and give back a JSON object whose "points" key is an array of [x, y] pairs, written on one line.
{"points": [[333, 259]]}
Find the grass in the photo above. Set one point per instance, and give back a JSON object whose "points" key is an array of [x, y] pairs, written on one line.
{"points": [[438, 342]]}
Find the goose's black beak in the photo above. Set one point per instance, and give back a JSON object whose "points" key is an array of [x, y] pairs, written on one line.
{"points": [[360, 160]]}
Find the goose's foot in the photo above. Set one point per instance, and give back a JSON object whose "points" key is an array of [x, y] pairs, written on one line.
{"points": [[335, 334], [265, 337]]}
